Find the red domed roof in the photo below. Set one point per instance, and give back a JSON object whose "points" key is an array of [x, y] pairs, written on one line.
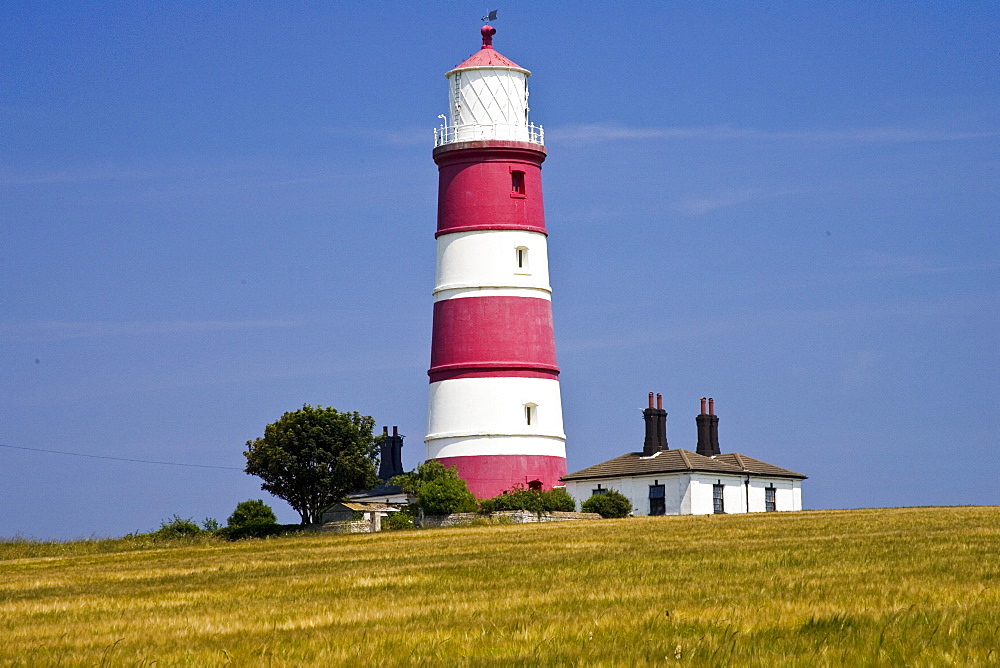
{"points": [[487, 56]]}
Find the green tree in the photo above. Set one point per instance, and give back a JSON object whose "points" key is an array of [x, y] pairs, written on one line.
{"points": [[538, 501], [313, 457], [438, 489], [252, 512], [445, 496], [610, 504]]}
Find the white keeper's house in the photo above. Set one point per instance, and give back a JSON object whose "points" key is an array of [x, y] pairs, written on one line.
{"points": [[661, 481]]}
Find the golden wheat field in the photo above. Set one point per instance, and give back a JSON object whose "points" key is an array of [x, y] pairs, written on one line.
{"points": [[913, 586]]}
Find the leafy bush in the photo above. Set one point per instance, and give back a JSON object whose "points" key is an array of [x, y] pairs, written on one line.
{"points": [[446, 496], [610, 504], [398, 521], [438, 489], [177, 527], [253, 512], [553, 500], [210, 524]]}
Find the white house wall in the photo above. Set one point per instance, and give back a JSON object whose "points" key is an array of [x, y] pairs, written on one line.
{"points": [[702, 496], [692, 493], [636, 489], [787, 494]]}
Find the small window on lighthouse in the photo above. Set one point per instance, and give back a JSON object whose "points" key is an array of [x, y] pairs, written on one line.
{"points": [[517, 184], [521, 259], [531, 413]]}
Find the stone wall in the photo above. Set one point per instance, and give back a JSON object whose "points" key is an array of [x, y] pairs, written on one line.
{"points": [[356, 526], [527, 516], [503, 516]]}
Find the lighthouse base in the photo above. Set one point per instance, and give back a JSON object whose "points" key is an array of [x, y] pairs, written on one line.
{"points": [[491, 475]]}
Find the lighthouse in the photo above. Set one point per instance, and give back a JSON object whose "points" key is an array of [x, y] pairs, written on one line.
{"points": [[494, 410]]}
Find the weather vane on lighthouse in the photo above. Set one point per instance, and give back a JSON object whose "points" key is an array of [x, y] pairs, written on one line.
{"points": [[494, 410], [492, 16]]}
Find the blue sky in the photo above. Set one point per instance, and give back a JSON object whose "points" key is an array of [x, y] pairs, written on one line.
{"points": [[214, 212]]}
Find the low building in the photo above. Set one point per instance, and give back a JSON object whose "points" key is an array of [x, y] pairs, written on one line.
{"points": [[661, 481], [373, 504], [348, 511]]}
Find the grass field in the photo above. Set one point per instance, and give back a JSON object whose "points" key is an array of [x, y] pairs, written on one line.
{"points": [[915, 586]]}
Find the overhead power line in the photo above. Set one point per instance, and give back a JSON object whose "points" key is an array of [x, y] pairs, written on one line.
{"points": [[120, 459]]}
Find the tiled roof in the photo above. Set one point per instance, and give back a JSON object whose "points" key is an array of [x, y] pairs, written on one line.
{"points": [[365, 506], [487, 57], [751, 465], [678, 461]]}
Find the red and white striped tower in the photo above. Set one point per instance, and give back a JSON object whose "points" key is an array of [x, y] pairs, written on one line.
{"points": [[494, 410]]}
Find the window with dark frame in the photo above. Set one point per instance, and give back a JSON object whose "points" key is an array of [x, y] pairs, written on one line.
{"points": [[770, 500], [517, 183], [521, 255], [657, 500], [718, 503], [595, 492]]}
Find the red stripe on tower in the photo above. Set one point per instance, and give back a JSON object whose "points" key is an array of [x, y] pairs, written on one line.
{"points": [[500, 336], [495, 410], [471, 174]]}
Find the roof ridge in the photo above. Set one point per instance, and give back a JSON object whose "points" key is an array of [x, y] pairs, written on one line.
{"points": [[684, 457], [756, 465]]}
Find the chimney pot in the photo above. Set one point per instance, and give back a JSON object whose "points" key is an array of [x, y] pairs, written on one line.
{"points": [[659, 401], [711, 406], [385, 431], [703, 405], [395, 431], [650, 399]]}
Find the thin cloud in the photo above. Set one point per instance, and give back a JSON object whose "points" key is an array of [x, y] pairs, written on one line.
{"points": [[399, 137], [416, 137], [877, 266], [783, 319], [600, 132], [184, 170], [700, 205], [75, 176], [902, 264], [58, 331]]}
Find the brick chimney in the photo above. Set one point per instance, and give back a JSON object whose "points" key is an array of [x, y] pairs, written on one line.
{"points": [[391, 454], [656, 427], [708, 430]]}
